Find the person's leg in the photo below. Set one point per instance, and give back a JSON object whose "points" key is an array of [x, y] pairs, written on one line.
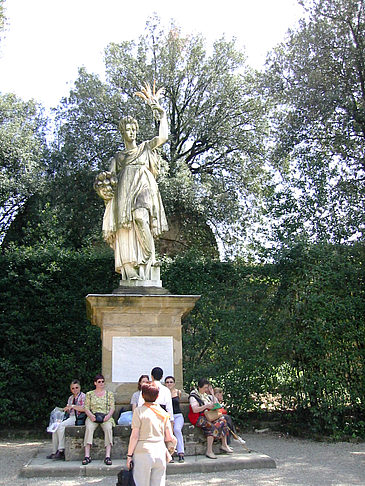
{"points": [[210, 453], [225, 446], [61, 431], [54, 445], [142, 468], [158, 470], [178, 425], [89, 435], [108, 437]]}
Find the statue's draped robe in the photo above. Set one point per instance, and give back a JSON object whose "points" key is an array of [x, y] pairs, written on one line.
{"points": [[136, 188]]}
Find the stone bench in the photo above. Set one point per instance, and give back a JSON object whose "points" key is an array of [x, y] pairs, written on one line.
{"points": [[194, 441]]}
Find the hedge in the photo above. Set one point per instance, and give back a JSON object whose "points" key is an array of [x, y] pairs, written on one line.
{"points": [[282, 336]]}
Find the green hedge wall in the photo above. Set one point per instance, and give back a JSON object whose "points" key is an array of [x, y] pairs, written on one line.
{"points": [[46, 340], [283, 336]]}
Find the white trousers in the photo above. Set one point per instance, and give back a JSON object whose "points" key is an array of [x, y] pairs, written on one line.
{"points": [[178, 425], [58, 437], [150, 464]]}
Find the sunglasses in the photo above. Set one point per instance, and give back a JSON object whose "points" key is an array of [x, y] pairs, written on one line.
{"points": [[100, 381], [169, 382]]}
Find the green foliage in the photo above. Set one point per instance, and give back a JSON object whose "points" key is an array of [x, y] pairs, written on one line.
{"points": [[227, 335], [46, 340], [213, 161], [287, 336], [319, 310], [22, 155], [315, 83]]}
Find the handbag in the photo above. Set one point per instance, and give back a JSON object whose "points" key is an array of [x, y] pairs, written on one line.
{"points": [[80, 418], [212, 415], [99, 417], [125, 478]]}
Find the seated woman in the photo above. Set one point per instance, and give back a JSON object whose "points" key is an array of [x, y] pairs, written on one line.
{"points": [[125, 418], [99, 408], [150, 429], [218, 393], [202, 399], [75, 405], [178, 416]]}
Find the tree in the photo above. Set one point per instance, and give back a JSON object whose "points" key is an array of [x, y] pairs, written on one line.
{"points": [[214, 157], [22, 155], [316, 82], [2, 16]]}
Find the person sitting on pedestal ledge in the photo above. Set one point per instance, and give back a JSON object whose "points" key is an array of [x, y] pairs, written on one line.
{"points": [[125, 418], [99, 408], [202, 400], [75, 406]]}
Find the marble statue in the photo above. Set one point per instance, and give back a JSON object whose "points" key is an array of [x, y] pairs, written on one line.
{"points": [[134, 213]]}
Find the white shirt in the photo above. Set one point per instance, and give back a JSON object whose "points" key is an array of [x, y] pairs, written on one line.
{"points": [[164, 398]]}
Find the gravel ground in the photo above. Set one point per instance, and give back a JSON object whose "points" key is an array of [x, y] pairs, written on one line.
{"points": [[299, 462]]}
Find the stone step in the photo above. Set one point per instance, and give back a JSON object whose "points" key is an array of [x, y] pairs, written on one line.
{"points": [[40, 467]]}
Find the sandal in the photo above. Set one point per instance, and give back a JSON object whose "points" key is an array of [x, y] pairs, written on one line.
{"points": [[108, 461], [86, 461]]}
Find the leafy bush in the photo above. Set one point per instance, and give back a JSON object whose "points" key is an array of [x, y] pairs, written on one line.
{"points": [[283, 336]]}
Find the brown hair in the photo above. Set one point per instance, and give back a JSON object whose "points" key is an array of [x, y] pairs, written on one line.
{"points": [[140, 379], [149, 392]]}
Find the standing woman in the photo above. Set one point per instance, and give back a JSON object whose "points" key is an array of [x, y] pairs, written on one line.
{"points": [[150, 429], [75, 405], [178, 416], [99, 408]]}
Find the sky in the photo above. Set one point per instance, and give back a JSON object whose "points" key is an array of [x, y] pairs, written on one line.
{"points": [[46, 41]]}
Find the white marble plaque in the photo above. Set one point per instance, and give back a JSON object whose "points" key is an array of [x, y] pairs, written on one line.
{"points": [[136, 356]]}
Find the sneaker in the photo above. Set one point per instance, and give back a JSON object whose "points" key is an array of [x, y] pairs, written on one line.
{"points": [[59, 456], [172, 460], [51, 456], [181, 458]]}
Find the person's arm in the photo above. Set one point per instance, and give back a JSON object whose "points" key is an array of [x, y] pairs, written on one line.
{"points": [[196, 408], [169, 436], [111, 403], [80, 407], [87, 407], [163, 132], [169, 408], [132, 445], [136, 425]]}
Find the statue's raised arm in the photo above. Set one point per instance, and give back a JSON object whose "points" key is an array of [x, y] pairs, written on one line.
{"points": [[134, 212], [151, 97]]}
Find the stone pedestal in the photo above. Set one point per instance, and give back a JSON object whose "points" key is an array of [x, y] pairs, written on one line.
{"points": [[134, 327]]}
